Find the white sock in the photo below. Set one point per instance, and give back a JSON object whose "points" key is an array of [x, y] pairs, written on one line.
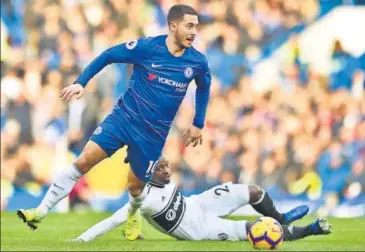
{"points": [[60, 188], [136, 202], [106, 225]]}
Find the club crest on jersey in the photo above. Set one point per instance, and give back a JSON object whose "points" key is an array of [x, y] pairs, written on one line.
{"points": [[98, 131], [170, 215], [131, 44], [188, 72]]}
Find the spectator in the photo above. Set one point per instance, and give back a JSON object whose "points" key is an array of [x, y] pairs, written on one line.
{"points": [[343, 67], [355, 183], [18, 106]]}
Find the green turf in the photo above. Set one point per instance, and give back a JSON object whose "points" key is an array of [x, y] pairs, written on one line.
{"points": [[57, 229]]}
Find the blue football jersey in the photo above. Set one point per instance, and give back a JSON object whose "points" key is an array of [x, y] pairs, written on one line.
{"points": [[158, 83]]}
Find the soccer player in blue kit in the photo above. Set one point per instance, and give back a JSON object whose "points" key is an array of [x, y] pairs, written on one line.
{"points": [[163, 68]]}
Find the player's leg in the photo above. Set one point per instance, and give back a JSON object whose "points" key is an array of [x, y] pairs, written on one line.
{"points": [[133, 228], [290, 232], [222, 229], [221, 200], [228, 197], [263, 204], [104, 226], [102, 143], [63, 184], [135, 189], [142, 159], [216, 228], [319, 227]]}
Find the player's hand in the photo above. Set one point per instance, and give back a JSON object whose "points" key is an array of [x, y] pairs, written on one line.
{"points": [[193, 135], [74, 89]]}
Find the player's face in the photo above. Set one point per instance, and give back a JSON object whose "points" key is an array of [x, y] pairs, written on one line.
{"points": [[162, 173], [186, 30]]}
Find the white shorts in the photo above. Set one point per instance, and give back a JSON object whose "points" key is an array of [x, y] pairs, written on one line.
{"points": [[223, 199], [204, 212]]}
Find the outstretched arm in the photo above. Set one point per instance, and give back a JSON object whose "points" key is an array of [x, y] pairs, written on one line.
{"points": [[105, 226], [131, 52]]}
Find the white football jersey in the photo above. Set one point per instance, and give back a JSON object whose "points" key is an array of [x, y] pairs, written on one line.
{"points": [[196, 217]]}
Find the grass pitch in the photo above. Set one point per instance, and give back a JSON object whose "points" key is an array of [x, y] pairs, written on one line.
{"points": [[57, 229]]}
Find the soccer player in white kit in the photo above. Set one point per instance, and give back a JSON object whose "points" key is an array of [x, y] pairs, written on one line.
{"points": [[198, 217]]}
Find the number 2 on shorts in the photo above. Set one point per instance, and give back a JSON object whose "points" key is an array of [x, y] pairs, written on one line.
{"points": [[225, 189]]}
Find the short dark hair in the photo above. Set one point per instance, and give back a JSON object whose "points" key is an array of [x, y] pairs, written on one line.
{"points": [[177, 12]]}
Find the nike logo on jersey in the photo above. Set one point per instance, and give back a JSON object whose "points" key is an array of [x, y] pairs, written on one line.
{"points": [[154, 65]]}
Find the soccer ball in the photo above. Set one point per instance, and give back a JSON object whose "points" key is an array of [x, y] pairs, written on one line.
{"points": [[265, 233]]}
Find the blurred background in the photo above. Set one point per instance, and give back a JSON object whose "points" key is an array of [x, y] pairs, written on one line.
{"points": [[287, 107]]}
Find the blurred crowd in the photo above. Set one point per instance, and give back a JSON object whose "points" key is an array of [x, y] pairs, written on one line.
{"points": [[304, 136]]}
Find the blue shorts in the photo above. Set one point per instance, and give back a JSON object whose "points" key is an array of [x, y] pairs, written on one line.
{"points": [[118, 130]]}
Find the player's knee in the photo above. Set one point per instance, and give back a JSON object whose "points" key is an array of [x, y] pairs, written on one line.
{"points": [[135, 185], [135, 189], [83, 164], [91, 155], [256, 193], [86, 161]]}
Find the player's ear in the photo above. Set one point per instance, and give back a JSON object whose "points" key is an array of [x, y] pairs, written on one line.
{"points": [[173, 26]]}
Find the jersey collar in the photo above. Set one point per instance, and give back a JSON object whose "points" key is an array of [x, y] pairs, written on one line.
{"points": [[156, 184]]}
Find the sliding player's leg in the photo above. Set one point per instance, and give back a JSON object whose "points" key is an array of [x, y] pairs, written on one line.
{"points": [[319, 227], [219, 229], [223, 199], [226, 198], [106, 140], [263, 204], [238, 230]]}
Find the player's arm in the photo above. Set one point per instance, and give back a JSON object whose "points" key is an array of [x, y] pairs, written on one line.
{"points": [[203, 81], [105, 226], [131, 52]]}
